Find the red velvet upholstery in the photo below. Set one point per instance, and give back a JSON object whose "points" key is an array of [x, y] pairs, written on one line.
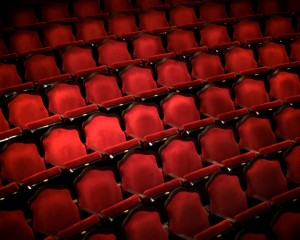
{"points": [[278, 25], [218, 144], [239, 59], [211, 11], [9, 75], [186, 214], [206, 65], [14, 226], [213, 34], [64, 97], [179, 109], [101, 88], [40, 66], [85, 8], [137, 79], [181, 39], [226, 197], [265, 179], [99, 236], [292, 6], [181, 15], [144, 225], [97, 189], [62, 145], [215, 100], [56, 34], [287, 123], [283, 85], [171, 72], [20, 160], [25, 108], [179, 157], [3, 122], [102, 132], [112, 51], [120, 24], [271, 54], [268, 6], [89, 28], [152, 19], [52, 11], [293, 164], [117, 5], [286, 226], [76, 59], [250, 92], [250, 236], [139, 116], [139, 172], [255, 133], [295, 50], [24, 40], [241, 8], [147, 45], [246, 29], [3, 49], [147, 3], [53, 210], [22, 16]]}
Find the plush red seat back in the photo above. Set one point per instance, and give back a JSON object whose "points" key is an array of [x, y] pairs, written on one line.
{"points": [[147, 45], [51, 11], [278, 25], [152, 19], [211, 11], [4, 125], [102, 132], [287, 123], [271, 54], [3, 49], [56, 34], [120, 24], [147, 3], [180, 39], [85, 8], [241, 8], [99, 236], [213, 35], [293, 164], [90, 28], [9, 75], [24, 40], [23, 16], [295, 50], [246, 29], [267, 7], [286, 226], [117, 5], [181, 15]]}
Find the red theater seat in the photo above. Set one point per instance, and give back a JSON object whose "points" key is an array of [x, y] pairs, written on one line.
{"points": [[3, 49], [210, 11], [246, 29], [103, 131], [147, 45], [180, 39], [218, 144], [147, 3], [9, 75], [271, 54], [285, 225], [179, 157], [241, 8], [22, 16], [113, 51], [291, 159], [137, 79], [3, 122], [120, 24], [283, 85], [25, 108], [267, 7], [14, 226], [245, 235], [213, 34], [294, 50], [99, 236], [56, 34], [40, 66], [62, 144], [53, 11], [278, 25], [100, 88], [76, 58], [287, 123], [171, 72], [85, 8], [117, 5], [181, 15], [90, 28], [152, 19], [145, 225], [22, 40], [179, 109]]}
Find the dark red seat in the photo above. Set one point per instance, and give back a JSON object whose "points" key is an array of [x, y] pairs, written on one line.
{"points": [[117, 5], [278, 25], [120, 24], [246, 29], [22, 16], [22, 40], [9, 75], [52, 11], [241, 8], [213, 34], [267, 7], [90, 28], [182, 15], [85, 8], [152, 19], [57, 34], [181, 39], [210, 11]]}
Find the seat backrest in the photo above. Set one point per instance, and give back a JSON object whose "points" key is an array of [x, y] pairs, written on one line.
{"points": [[86, 8], [56, 34], [116, 5], [287, 123], [103, 131], [139, 172], [51, 11], [286, 226], [218, 144], [120, 24], [278, 51], [265, 179], [53, 210], [186, 214], [152, 19], [179, 109], [246, 29], [89, 28], [278, 25], [141, 120], [3, 122], [9, 75], [62, 145], [213, 34], [268, 7], [291, 159], [179, 156], [177, 13], [255, 133], [212, 11], [24, 40], [97, 189], [20, 160], [240, 8], [144, 225], [226, 196]]}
